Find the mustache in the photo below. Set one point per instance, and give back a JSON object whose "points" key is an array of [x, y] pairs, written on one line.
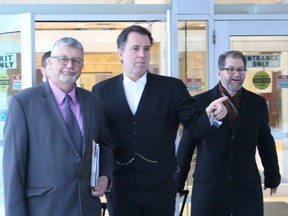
{"points": [[68, 70]]}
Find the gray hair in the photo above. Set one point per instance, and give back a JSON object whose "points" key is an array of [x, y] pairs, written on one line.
{"points": [[234, 54], [67, 41]]}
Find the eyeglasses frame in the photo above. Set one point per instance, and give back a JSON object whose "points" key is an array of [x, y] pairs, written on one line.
{"points": [[64, 60], [232, 71]]}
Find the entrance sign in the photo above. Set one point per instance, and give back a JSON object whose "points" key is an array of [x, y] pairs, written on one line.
{"points": [[263, 61]]}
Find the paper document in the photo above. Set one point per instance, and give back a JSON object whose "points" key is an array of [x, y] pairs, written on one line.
{"points": [[95, 164]]}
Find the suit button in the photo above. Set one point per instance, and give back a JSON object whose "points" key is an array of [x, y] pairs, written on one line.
{"points": [[231, 157], [230, 178]]}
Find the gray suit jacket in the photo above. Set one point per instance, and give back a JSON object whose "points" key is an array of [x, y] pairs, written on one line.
{"points": [[43, 174]]}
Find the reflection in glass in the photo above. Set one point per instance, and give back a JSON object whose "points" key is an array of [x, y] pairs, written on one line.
{"points": [[193, 42]]}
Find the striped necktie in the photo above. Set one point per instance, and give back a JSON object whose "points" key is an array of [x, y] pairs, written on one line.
{"points": [[72, 125]]}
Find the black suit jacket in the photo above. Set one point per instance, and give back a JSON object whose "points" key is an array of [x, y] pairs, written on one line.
{"points": [[43, 173], [226, 177], [144, 143]]}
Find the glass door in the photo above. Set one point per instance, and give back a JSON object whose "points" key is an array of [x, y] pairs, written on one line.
{"points": [[16, 67], [99, 42], [265, 44]]}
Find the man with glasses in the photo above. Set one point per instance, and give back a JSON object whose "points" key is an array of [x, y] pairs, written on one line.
{"points": [[226, 176], [48, 139]]}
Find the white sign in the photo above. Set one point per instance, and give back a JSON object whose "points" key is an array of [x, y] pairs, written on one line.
{"points": [[8, 61], [263, 61]]}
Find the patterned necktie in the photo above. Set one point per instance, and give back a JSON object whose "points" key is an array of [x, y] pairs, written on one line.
{"points": [[232, 104], [72, 125]]}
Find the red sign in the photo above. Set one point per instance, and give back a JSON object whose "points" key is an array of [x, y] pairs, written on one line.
{"points": [[282, 81], [193, 84], [17, 82], [16, 78]]}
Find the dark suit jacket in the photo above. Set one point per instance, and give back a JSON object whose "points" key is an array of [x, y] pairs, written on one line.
{"points": [[144, 143], [43, 174], [226, 177]]}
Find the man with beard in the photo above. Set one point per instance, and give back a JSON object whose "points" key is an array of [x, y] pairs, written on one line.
{"points": [[226, 177], [48, 139]]}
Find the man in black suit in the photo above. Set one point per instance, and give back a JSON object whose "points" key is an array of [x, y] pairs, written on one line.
{"points": [[47, 172], [226, 177], [142, 113]]}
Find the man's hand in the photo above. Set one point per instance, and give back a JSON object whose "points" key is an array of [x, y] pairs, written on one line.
{"points": [[217, 108], [272, 190], [101, 187]]}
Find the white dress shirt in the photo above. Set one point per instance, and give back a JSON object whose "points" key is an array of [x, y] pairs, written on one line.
{"points": [[133, 91]]}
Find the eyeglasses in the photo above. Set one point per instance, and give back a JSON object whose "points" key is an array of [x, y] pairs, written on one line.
{"points": [[232, 71], [63, 60]]}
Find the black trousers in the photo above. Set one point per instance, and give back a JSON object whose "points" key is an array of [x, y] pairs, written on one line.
{"points": [[134, 201]]}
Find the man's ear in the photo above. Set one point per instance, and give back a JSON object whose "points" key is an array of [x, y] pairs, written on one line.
{"points": [[219, 74], [120, 54]]}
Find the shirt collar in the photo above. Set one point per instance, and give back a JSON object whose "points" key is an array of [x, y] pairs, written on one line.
{"points": [[127, 80], [60, 95]]}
